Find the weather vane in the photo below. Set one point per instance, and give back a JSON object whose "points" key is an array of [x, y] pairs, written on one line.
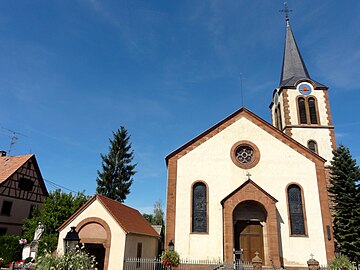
{"points": [[286, 10]]}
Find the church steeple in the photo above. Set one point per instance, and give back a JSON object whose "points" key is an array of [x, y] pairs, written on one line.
{"points": [[300, 106], [293, 68]]}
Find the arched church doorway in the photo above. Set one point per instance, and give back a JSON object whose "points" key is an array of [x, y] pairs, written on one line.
{"points": [[249, 219]]}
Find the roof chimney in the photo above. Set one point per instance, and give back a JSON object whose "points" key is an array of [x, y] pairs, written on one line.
{"points": [[2, 153]]}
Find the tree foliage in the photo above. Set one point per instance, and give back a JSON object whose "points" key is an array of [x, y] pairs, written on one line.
{"points": [[115, 179], [10, 248], [344, 193], [56, 209], [157, 217]]}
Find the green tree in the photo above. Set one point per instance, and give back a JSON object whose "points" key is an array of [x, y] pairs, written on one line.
{"points": [[56, 209], [157, 217], [344, 193], [117, 169], [158, 214]]}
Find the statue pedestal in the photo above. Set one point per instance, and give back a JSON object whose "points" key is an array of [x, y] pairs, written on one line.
{"points": [[26, 252], [34, 246]]}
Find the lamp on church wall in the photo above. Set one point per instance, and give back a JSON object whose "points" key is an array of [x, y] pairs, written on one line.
{"points": [[171, 246], [71, 240]]}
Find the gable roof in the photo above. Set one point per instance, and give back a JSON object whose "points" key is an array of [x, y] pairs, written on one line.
{"points": [[249, 182], [10, 164], [243, 112], [129, 219]]}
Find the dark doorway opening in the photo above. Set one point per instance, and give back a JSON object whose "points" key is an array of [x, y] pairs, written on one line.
{"points": [[98, 251]]}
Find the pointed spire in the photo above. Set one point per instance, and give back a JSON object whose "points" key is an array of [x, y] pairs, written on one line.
{"points": [[293, 68]]}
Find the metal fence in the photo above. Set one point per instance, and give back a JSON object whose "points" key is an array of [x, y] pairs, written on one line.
{"points": [[155, 264]]}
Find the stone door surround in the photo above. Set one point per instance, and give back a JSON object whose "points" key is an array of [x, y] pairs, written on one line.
{"points": [[250, 191]]}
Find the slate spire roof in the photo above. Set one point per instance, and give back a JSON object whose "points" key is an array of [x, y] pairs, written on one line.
{"points": [[293, 68]]}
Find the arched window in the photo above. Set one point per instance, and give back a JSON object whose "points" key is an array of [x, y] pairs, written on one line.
{"points": [[302, 110], [199, 208], [276, 118], [307, 108], [312, 145], [312, 110], [296, 213], [279, 118]]}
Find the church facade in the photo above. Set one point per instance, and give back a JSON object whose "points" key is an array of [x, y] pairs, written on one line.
{"points": [[248, 186]]}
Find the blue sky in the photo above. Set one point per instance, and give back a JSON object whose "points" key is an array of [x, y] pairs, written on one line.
{"points": [[71, 72]]}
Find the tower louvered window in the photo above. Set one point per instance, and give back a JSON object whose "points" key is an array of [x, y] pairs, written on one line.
{"points": [[302, 111], [312, 111], [199, 208], [297, 223]]}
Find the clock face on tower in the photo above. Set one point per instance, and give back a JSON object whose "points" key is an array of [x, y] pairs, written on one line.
{"points": [[305, 88]]}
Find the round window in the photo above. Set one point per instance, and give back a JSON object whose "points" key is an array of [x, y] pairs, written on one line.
{"points": [[245, 154]]}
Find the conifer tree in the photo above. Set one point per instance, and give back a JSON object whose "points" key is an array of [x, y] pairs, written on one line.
{"points": [[117, 168], [344, 193]]}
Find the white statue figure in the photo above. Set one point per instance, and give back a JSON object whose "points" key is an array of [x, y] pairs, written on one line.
{"points": [[38, 232]]}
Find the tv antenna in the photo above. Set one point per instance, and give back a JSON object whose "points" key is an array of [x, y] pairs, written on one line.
{"points": [[13, 138]]}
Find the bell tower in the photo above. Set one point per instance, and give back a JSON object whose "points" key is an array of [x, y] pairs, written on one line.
{"points": [[300, 105]]}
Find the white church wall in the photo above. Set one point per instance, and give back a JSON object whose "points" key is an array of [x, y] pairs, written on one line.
{"points": [[279, 165], [96, 209]]}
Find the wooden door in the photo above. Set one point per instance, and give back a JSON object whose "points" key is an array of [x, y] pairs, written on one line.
{"points": [[251, 240]]}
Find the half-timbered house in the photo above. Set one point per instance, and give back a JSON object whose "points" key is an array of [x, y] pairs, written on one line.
{"points": [[22, 188]]}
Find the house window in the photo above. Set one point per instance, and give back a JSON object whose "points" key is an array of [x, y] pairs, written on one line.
{"points": [[312, 145], [297, 223], [199, 208], [307, 108], [25, 184], [6, 208], [32, 210], [138, 254], [3, 231]]}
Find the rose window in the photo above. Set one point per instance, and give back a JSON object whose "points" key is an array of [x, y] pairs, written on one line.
{"points": [[244, 154]]}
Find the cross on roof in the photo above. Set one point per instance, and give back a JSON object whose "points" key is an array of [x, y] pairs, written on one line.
{"points": [[286, 10], [312, 256], [248, 175]]}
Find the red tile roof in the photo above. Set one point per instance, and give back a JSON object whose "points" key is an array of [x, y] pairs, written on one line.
{"points": [[10, 164], [129, 219]]}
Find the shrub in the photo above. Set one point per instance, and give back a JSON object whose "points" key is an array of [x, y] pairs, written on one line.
{"points": [[170, 258], [10, 248], [73, 260], [341, 263]]}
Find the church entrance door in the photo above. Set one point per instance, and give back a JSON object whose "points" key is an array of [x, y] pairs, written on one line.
{"points": [[250, 239], [249, 217]]}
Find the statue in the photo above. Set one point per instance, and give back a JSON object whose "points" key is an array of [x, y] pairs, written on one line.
{"points": [[38, 232]]}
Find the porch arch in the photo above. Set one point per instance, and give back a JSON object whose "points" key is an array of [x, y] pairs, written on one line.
{"points": [[250, 191]]}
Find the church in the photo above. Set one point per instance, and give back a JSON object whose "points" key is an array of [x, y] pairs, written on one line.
{"points": [[245, 185]]}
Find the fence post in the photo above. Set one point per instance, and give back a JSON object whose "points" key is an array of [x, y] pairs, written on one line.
{"points": [[313, 264], [257, 262]]}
